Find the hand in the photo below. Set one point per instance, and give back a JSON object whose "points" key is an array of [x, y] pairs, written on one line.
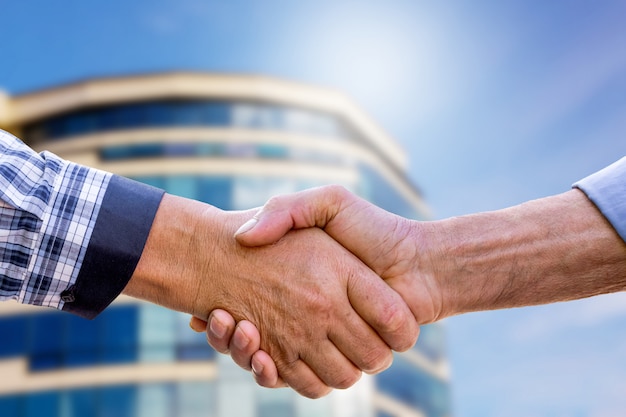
{"points": [[310, 298], [392, 246], [242, 341], [548, 250], [385, 242]]}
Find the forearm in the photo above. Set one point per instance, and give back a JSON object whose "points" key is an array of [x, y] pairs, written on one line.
{"points": [[554, 249], [181, 254]]}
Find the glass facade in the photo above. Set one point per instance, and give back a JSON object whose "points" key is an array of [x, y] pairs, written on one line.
{"points": [[196, 113], [217, 150], [414, 386], [127, 334], [167, 113], [149, 400], [122, 334]]}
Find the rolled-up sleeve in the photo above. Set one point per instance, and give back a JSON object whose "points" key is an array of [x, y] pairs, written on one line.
{"points": [[607, 190], [70, 236]]}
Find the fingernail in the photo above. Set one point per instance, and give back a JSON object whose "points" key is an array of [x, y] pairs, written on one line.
{"points": [[257, 367], [217, 328], [240, 339], [246, 226], [191, 322]]}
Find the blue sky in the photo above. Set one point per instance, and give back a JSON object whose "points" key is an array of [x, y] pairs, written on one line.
{"points": [[495, 102]]}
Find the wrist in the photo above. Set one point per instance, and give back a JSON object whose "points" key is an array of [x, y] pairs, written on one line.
{"points": [[418, 277], [179, 256]]}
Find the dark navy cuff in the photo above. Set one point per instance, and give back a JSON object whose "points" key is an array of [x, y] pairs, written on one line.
{"points": [[119, 236]]}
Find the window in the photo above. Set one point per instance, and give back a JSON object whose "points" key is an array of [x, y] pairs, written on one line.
{"points": [[157, 336], [117, 401], [41, 404], [46, 341], [216, 191], [273, 151], [275, 403], [13, 342], [244, 114], [191, 346], [10, 406], [376, 189], [197, 399], [413, 386], [432, 342], [182, 185], [81, 341], [119, 333], [81, 402], [251, 192], [155, 400]]}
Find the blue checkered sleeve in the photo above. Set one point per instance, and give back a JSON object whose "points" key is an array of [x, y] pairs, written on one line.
{"points": [[48, 209], [70, 236]]}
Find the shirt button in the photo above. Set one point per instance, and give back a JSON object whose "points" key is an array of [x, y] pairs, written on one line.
{"points": [[68, 295]]}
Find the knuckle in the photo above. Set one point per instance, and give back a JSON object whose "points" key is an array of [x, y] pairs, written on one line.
{"points": [[404, 343], [273, 203], [314, 390], [320, 304], [339, 192], [286, 364], [264, 381], [347, 379], [304, 383], [217, 344], [394, 319], [411, 338], [377, 359], [242, 359]]}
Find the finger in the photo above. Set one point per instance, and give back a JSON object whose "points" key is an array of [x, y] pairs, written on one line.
{"points": [[355, 337], [383, 309], [265, 372], [299, 376], [331, 365], [244, 343], [197, 325], [360, 344], [220, 329]]}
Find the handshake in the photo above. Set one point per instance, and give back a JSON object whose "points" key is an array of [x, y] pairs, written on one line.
{"points": [[320, 285], [336, 316]]}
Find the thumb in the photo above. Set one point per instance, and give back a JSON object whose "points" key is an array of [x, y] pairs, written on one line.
{"points": [[309, 208], [266, 227]]}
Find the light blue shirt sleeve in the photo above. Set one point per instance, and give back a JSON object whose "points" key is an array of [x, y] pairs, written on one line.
{"points": [[607, 190]]}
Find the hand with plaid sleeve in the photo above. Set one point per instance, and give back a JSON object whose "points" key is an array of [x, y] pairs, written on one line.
{"points": [[74, 238]]}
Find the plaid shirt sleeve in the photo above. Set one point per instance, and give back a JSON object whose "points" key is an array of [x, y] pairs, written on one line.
{"points": [[70, 236]]}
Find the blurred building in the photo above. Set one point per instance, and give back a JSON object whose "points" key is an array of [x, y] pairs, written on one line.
{"points": [[231, 141]]}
